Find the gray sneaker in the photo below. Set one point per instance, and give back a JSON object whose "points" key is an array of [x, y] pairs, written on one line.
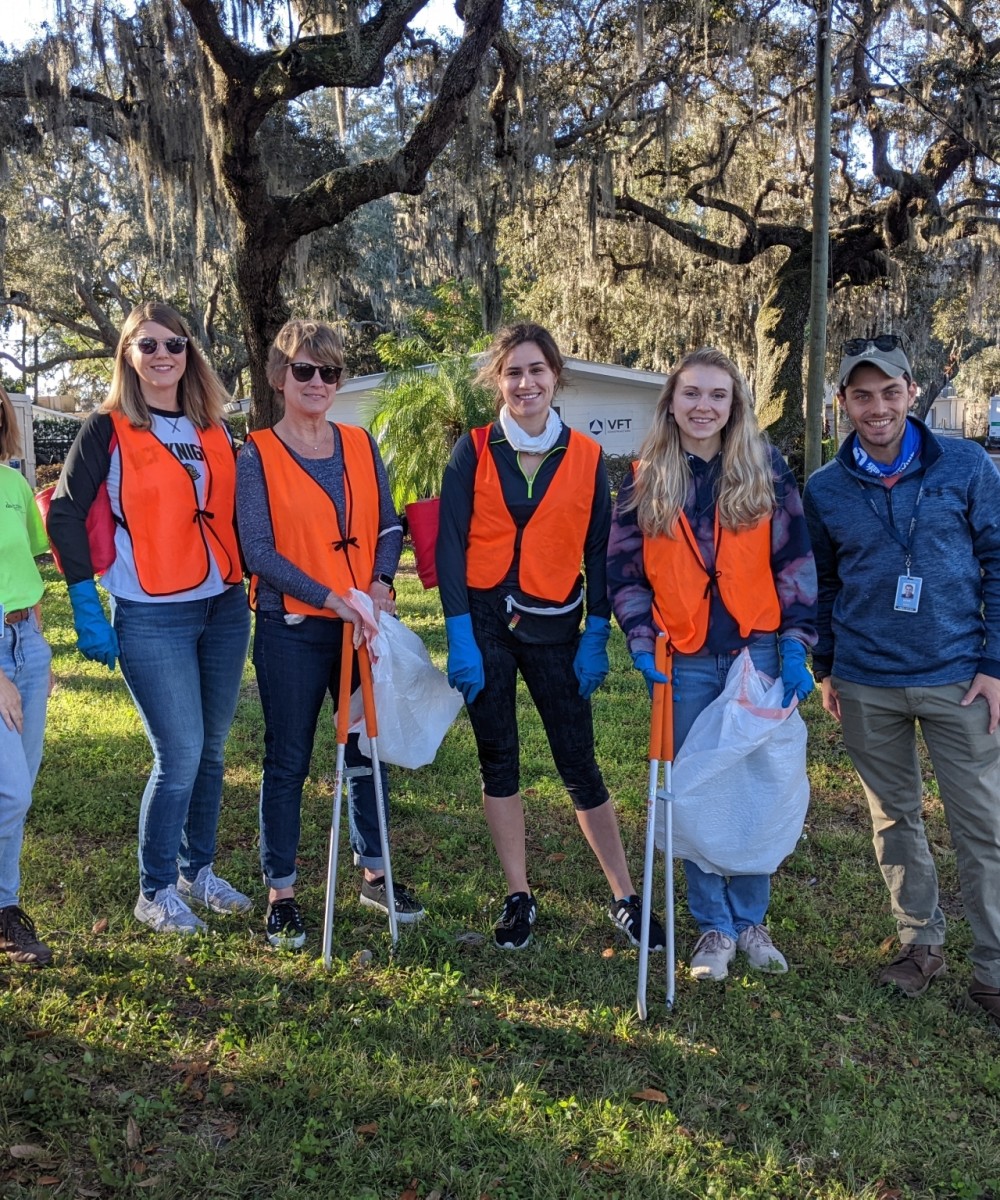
{"points": [[207, 890], [764, 955], [167, 913], [713, 952]]}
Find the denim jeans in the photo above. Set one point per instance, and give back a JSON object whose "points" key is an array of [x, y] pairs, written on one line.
{"points": [[730, 903], [183, 663], [548, 672], [296, 666], [24, 659]]}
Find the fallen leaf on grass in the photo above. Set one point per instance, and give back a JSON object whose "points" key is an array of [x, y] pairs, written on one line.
{"points": [[847, 1020], [27, 1150], [470, 938], [33, 1035], [409, 1193], [48, 1180], [369, 1130], [608, 952], [884, 1192], [227, 1089], [556, 858], [435, 1195], [132, 1134], [651, 1094], [138, 1167], [82, 1191], [888, 944], [152, 1181], [100, 926], [728, 1139]]}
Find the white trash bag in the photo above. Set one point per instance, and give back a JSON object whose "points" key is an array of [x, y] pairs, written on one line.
{"points": [[740, 790], [414, 703]]}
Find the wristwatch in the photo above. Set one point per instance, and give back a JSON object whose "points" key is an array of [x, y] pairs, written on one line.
{"points": [[388, 580]]}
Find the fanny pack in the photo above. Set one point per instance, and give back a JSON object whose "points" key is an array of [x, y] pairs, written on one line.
{"points": [[533, 621]]}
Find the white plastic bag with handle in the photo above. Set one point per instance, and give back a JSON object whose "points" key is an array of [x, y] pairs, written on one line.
{"points": [[740, 790], [414, 703]]}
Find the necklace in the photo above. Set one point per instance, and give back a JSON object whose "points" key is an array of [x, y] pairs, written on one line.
{"points": [[304, 442]]}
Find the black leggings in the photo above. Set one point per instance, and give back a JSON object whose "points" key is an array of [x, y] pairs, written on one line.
{"points": [[552, 684]]}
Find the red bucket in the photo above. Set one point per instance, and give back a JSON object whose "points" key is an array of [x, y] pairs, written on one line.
{"points": [[424, 517]]}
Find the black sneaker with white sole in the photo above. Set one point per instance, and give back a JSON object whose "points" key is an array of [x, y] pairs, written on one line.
{"points": [[513, 930], [408, 907], [627, 915], [285, 928]]}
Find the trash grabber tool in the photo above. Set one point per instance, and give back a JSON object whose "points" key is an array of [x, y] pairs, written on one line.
{"points": [[371, 728], [343, 720], [661, 732]]}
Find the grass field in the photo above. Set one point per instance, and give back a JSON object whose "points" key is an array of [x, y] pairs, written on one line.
{"points": [[143, 1066]]}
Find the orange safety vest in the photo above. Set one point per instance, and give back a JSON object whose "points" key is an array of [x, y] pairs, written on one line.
{"points": [[682, 583], [304, 519], [173, 538], [552, 541]]}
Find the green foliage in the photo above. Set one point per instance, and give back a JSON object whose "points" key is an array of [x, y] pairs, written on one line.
{"points": [[420, 414], [617, 467]]}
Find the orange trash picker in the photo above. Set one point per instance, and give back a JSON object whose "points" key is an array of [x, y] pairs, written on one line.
{"points": [[661, 749], [371, 728]]}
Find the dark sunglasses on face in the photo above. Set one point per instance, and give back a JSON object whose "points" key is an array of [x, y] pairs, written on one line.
{"points": [[148, 345], [303, 372], [882, 341]]}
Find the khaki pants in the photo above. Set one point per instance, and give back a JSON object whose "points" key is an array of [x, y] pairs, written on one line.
{"points": [[879, 727]]}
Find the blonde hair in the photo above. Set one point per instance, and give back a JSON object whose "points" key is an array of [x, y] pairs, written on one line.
{"points": [[10, 437], [507, 339], [200, 392], [316, 338], [663, 475]]}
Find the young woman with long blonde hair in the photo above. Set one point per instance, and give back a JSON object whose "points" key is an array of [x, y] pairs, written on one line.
{"points": [[709, 545]]}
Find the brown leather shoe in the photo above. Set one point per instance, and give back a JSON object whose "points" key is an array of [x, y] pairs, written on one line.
{"points": [[913, 968], [986, 997]]}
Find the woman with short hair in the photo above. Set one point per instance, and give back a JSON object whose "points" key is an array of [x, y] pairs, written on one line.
{"points": [[316, 519]]}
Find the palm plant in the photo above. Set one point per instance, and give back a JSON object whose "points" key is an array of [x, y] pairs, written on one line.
{"points": [[420, 414]]}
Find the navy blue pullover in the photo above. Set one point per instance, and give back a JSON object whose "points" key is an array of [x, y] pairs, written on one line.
{"points": [[955, 550]]}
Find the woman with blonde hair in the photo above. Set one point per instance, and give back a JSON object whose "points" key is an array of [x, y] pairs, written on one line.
{"points": [[525, 502], [180, 623], [24, 686], [709, 546]]}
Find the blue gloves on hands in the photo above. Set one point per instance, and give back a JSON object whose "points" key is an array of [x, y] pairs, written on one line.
{"points": [[644, 662], [95, 637], [465, 660], [590, 663], [794, 672]]}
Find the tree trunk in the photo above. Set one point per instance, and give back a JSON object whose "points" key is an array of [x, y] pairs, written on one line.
{"points": [[263, 311], [781, 333]]}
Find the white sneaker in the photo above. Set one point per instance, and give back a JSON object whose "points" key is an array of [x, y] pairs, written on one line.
{"points": [[756, 944], [207, 890], [713, 952], [167, 913]]}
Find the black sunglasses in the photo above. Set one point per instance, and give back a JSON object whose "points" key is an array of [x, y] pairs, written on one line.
{"points": [[883, 341], [303, 372], [147, 345]]}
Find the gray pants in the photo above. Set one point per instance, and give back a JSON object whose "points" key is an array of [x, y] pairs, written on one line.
{"points": [[879, 727]]}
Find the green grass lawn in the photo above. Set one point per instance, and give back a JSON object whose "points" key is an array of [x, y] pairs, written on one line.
{"points": [[213, 1067]]}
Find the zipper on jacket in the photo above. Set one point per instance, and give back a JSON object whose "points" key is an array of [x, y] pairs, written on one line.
{"points": [[530, 481]]}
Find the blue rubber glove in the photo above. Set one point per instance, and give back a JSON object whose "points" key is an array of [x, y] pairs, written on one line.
{"points": [[95, 637], [644, 662], [590, 663], [465, 660], [794, 672]]}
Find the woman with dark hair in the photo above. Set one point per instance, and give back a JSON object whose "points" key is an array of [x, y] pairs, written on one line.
{"points": [[180, 623], [709, 545], [24, 686], [316, 519], [524, 502]]}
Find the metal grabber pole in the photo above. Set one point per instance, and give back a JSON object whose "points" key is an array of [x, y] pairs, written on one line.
{"points": [[343, 719], [371, 728], [661, 729]]}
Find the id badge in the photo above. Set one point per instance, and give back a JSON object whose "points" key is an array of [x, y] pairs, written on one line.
{"points": [[908, 593]]}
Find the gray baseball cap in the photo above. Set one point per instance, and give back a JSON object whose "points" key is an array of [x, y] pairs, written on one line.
{"points": [[890, 362]]}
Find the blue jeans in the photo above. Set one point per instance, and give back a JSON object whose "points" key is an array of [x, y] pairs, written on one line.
{"points": [[183, 663], [730, 903], [24, 659], [296, 666]]}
